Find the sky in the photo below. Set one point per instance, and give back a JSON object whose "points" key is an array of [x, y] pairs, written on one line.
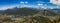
{"points": [[5, 4]]}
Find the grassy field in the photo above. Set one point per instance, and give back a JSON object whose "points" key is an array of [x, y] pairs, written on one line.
{"points": [[29, 19]]}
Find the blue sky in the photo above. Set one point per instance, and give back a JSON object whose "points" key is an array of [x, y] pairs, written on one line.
{"points": [[8, 2], [5, 4]]}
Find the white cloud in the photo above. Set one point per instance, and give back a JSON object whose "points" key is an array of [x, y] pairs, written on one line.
{"points": [[32, 6], [21, 2], [39, 4], [7, 7], [57, 2], [26, 2]]}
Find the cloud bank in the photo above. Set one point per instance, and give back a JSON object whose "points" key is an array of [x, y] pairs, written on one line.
{"points": [[57, 2]]}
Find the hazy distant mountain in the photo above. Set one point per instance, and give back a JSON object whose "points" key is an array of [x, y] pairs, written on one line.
{"points": [[28, 11], [55, 10], [23, 11]]}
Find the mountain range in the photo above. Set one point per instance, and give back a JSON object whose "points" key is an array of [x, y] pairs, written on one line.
{"points": [[26, 10]]}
